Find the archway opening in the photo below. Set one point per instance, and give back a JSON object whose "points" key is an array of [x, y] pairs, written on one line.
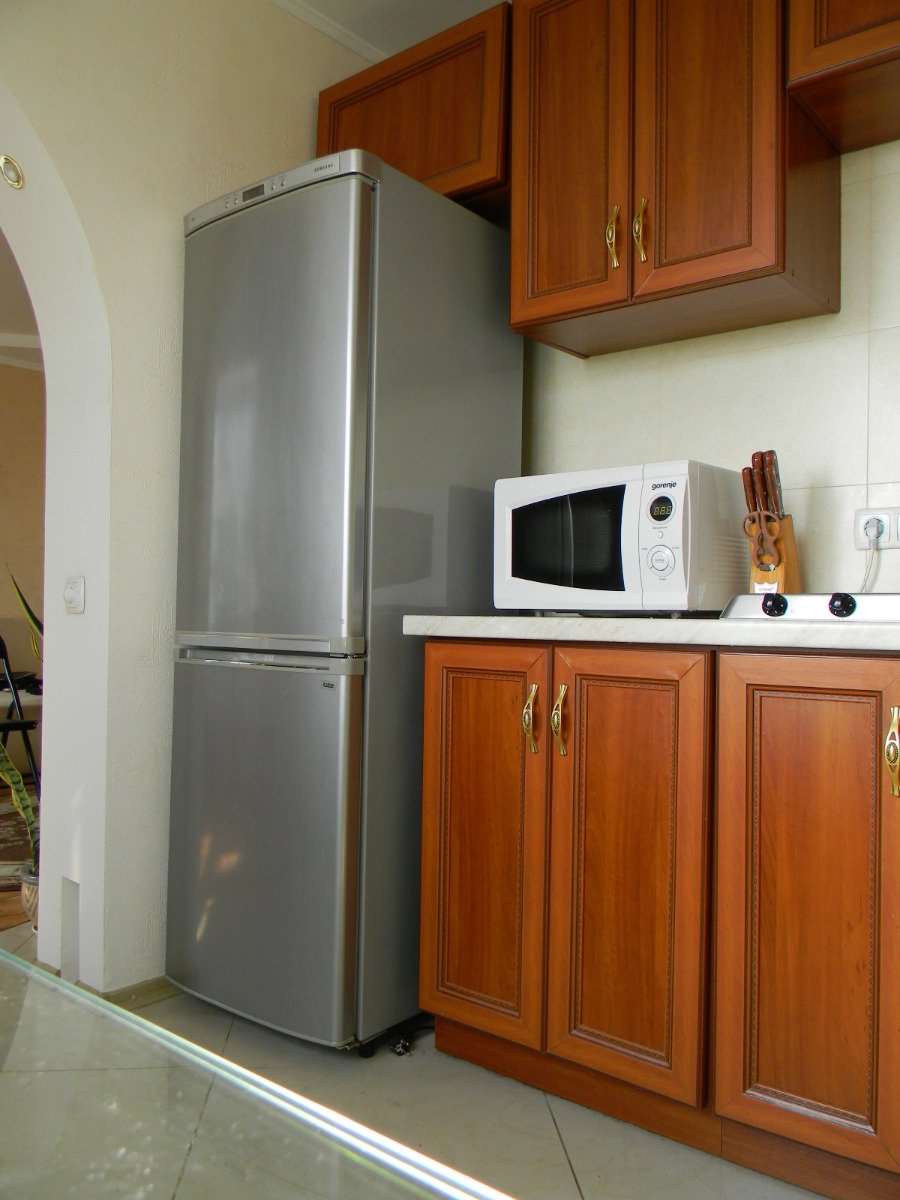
{"points": [[45, 236], [23, 427]]}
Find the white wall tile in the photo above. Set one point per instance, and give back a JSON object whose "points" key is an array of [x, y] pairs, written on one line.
{"points": [[824, 392], [887, 577], [592, 412], [884, 406], [885, 160], [807, 401], [856, 166], [823, 527], [885, 299]]}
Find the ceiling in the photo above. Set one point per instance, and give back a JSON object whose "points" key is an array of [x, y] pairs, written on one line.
{"points": [[377, 28], [19, 343]]}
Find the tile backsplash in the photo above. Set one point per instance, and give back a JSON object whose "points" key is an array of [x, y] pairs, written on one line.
{"points": [[824, 392]]}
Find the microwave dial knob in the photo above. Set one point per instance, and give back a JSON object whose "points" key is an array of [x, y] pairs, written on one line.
{"points": [[661, 560]]}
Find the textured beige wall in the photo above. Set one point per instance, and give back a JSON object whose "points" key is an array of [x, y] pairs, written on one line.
{"points": [[22, 426], [148, 108], [824, 392]]}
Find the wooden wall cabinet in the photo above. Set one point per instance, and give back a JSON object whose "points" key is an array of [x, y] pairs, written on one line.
{"points": [[437, 112], [661, 187], [844, 67], [625, 808], [808, 944]]}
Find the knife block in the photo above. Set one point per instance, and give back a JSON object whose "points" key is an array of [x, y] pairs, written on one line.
{"points": [[786, 576]]}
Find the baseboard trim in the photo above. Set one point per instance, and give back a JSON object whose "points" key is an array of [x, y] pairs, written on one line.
{"points": [[139, 995]]}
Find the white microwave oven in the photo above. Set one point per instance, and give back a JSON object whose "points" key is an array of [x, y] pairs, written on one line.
{"points": [[663, 537]]}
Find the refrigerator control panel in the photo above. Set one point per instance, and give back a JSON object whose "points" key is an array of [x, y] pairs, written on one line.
{"points": [[351, 162]]}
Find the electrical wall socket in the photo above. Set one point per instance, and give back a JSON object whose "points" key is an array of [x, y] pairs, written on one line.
{"points": [[889, 539]]}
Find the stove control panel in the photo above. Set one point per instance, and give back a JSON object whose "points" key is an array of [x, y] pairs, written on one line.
{"points": [[827, 606]]}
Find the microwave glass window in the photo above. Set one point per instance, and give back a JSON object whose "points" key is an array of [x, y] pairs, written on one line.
{"points": [[571, 541]]}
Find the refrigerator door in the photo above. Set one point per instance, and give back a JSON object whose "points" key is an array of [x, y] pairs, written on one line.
{"points": [[264, 835], [274, 410]]}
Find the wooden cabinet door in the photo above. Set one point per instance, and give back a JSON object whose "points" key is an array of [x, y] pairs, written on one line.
{"points": [[628, 876], [707, 141], [571, 140], [437, 111], [844, 66], [827, 35], [484, 837], [808, 903]]}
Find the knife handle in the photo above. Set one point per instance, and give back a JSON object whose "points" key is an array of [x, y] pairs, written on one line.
{"points": [[759, 487], [749, 494], [773, 482]]}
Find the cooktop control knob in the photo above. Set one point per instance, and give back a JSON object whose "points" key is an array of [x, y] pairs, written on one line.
{"points": [[774, 604], [661, 560], [842, 604]]}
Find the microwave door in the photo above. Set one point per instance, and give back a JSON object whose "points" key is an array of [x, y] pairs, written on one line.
{"points": [[577, 550]]}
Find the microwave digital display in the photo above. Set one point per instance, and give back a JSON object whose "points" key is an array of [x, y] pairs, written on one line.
{"points": [[571, 541], [661, 508]]}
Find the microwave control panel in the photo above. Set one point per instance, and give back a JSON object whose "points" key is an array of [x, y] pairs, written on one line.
{"points": [[661, 527]]}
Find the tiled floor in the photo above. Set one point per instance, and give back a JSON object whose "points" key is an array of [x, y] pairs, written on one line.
{"points": [[21, 940], [512, 1137]]}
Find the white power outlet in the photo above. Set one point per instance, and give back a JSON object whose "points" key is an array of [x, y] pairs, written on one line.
{"points": [[889, 537]]}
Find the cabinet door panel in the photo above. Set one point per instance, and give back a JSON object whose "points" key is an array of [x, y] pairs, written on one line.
{"points": [[571, 155], [484, 838], [437, 111], [707, 141], [826, 35], [628, 871], [808, 1032]]}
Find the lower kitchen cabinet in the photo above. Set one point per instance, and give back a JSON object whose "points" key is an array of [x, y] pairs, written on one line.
{"points": [[628, 876], [625, 806], [484, 836], [808, 941], [568, 819]]}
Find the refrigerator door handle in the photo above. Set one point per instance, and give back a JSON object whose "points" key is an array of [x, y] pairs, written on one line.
{"points": [[270, 662]]}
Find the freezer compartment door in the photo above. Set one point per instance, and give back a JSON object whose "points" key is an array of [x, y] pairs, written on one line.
{"points": [[274, 412], [264, 837]]}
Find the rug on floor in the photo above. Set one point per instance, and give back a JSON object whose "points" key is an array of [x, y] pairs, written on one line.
{"points": [[14, 851], [10, 910]]}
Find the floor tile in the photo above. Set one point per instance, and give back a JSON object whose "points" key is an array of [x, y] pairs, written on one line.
{"points": [[98, 1133], [239, 1139], [494, 1128], [203, 1024], [28, 949], [33, 1037], [615, 1161], [12, 939], [211, 1175]]}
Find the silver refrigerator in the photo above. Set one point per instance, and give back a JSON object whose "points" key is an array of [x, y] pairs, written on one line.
{"points": [[351, 391]]}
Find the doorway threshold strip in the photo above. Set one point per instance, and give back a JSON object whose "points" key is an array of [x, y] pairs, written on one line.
{"points": [[359, 1139]]}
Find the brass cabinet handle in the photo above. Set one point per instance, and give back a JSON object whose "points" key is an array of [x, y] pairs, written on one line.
{"points": [[611, 237], [892, 750], [528, 719], [556, 720], [637, 228]]}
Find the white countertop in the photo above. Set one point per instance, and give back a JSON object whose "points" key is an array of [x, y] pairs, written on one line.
{"points": [[685, 631]]}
